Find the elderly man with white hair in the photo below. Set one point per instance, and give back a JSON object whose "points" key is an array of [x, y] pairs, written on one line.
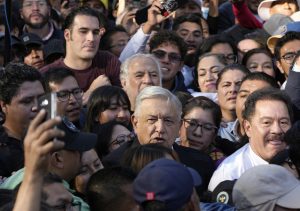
{"points": [[137, 72]]}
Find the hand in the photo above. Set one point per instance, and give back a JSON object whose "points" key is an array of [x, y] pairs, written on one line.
{"points": [[66, 7], [39, 143], [154, 16], [101, 80]]}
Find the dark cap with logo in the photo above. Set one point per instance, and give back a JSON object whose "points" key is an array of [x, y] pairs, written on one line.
{"points": [[74, 139]]}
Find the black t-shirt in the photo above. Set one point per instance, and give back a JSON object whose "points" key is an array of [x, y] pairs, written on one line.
{"points": [[11, 154]]}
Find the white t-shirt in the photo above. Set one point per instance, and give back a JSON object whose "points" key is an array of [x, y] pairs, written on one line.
{"points": [[235, 165]]}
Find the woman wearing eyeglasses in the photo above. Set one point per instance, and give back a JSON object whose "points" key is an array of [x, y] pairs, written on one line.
{"points": [[111, 136], [201, 120]]}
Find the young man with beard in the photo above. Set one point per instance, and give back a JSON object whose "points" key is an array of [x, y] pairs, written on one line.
{"points": [[92, 68], [20, 87], [36, 15], [268, 114]]}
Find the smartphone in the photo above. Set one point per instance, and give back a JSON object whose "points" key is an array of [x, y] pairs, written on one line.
{"points": [[141, 16], [49, 103]]}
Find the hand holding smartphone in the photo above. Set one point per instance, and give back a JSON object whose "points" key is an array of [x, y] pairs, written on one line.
{"points": [[49, 103]]}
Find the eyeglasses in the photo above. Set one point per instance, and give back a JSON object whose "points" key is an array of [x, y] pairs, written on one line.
{"points": [[41, 3], [173, 57], [230, 57], [122, 139], [193, 125], [289, 57], [65, 95]]}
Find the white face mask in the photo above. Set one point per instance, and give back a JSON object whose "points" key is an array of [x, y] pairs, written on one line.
{"points": [[205, 11]]}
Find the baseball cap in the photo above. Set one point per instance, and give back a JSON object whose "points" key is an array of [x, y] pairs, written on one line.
{"points": [[30, 38], [74, 139], [263, 9], [167, 181], [280, 32], [264, 186], [54, 46], [276, 20], [223, 192]]}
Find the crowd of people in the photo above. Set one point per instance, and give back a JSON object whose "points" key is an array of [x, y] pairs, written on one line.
{"points": [[154, 110]]}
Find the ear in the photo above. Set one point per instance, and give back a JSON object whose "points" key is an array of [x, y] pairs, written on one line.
{"points": [[134, 122], [247, 127], [278, 64], [102, 31], [123, 83], [181, 64], [3, 107], [57, 160], [67, 34]]}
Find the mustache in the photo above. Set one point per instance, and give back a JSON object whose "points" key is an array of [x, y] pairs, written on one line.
{"points": [[276, 137]]}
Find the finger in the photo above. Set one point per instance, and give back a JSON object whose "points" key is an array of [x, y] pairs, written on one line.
{"points": [[37, 120], [49, 136], [52, 147], [49, 124]]}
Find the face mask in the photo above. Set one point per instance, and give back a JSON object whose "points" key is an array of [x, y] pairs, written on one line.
{"points": [[205, 11]]}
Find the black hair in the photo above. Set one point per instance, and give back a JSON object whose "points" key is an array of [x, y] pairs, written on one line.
{"points": [[227, 68], [193, 18], [80, 11], [289, 36], [266, 94], [261, 76], [106, 188], [100, 100], [171, 37], [206, 104], [213, 40], [104, 133], [13, 76], [250, 53], [56, 75], [105, 43]]}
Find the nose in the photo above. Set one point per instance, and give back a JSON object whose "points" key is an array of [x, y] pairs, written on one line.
{"points": [[209, 76], [198, 131], [147, 79], [34, 53], [160, 126], [34, 107], [90, 36], [122, 114], [190, 38], [276, 128]]}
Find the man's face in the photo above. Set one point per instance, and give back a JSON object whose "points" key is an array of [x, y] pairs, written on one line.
{"points": [[246, 89], [170, 61], [228, 89], [192, 35], [142, 72], [70, 108], [284, 64], [226, 50], [58, 197], [71, 164], [118, 42], [188, 8], [35, 13], [284, 7], [23, 107], [267, 127], [35, 57], [157, 124], [82, 40]]}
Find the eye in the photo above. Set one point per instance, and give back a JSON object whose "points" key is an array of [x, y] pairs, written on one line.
{"points": [[151, 120], [169, 121]]}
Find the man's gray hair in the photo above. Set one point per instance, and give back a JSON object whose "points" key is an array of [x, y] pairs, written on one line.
{"points": [[125, 65], [157, 92]]}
